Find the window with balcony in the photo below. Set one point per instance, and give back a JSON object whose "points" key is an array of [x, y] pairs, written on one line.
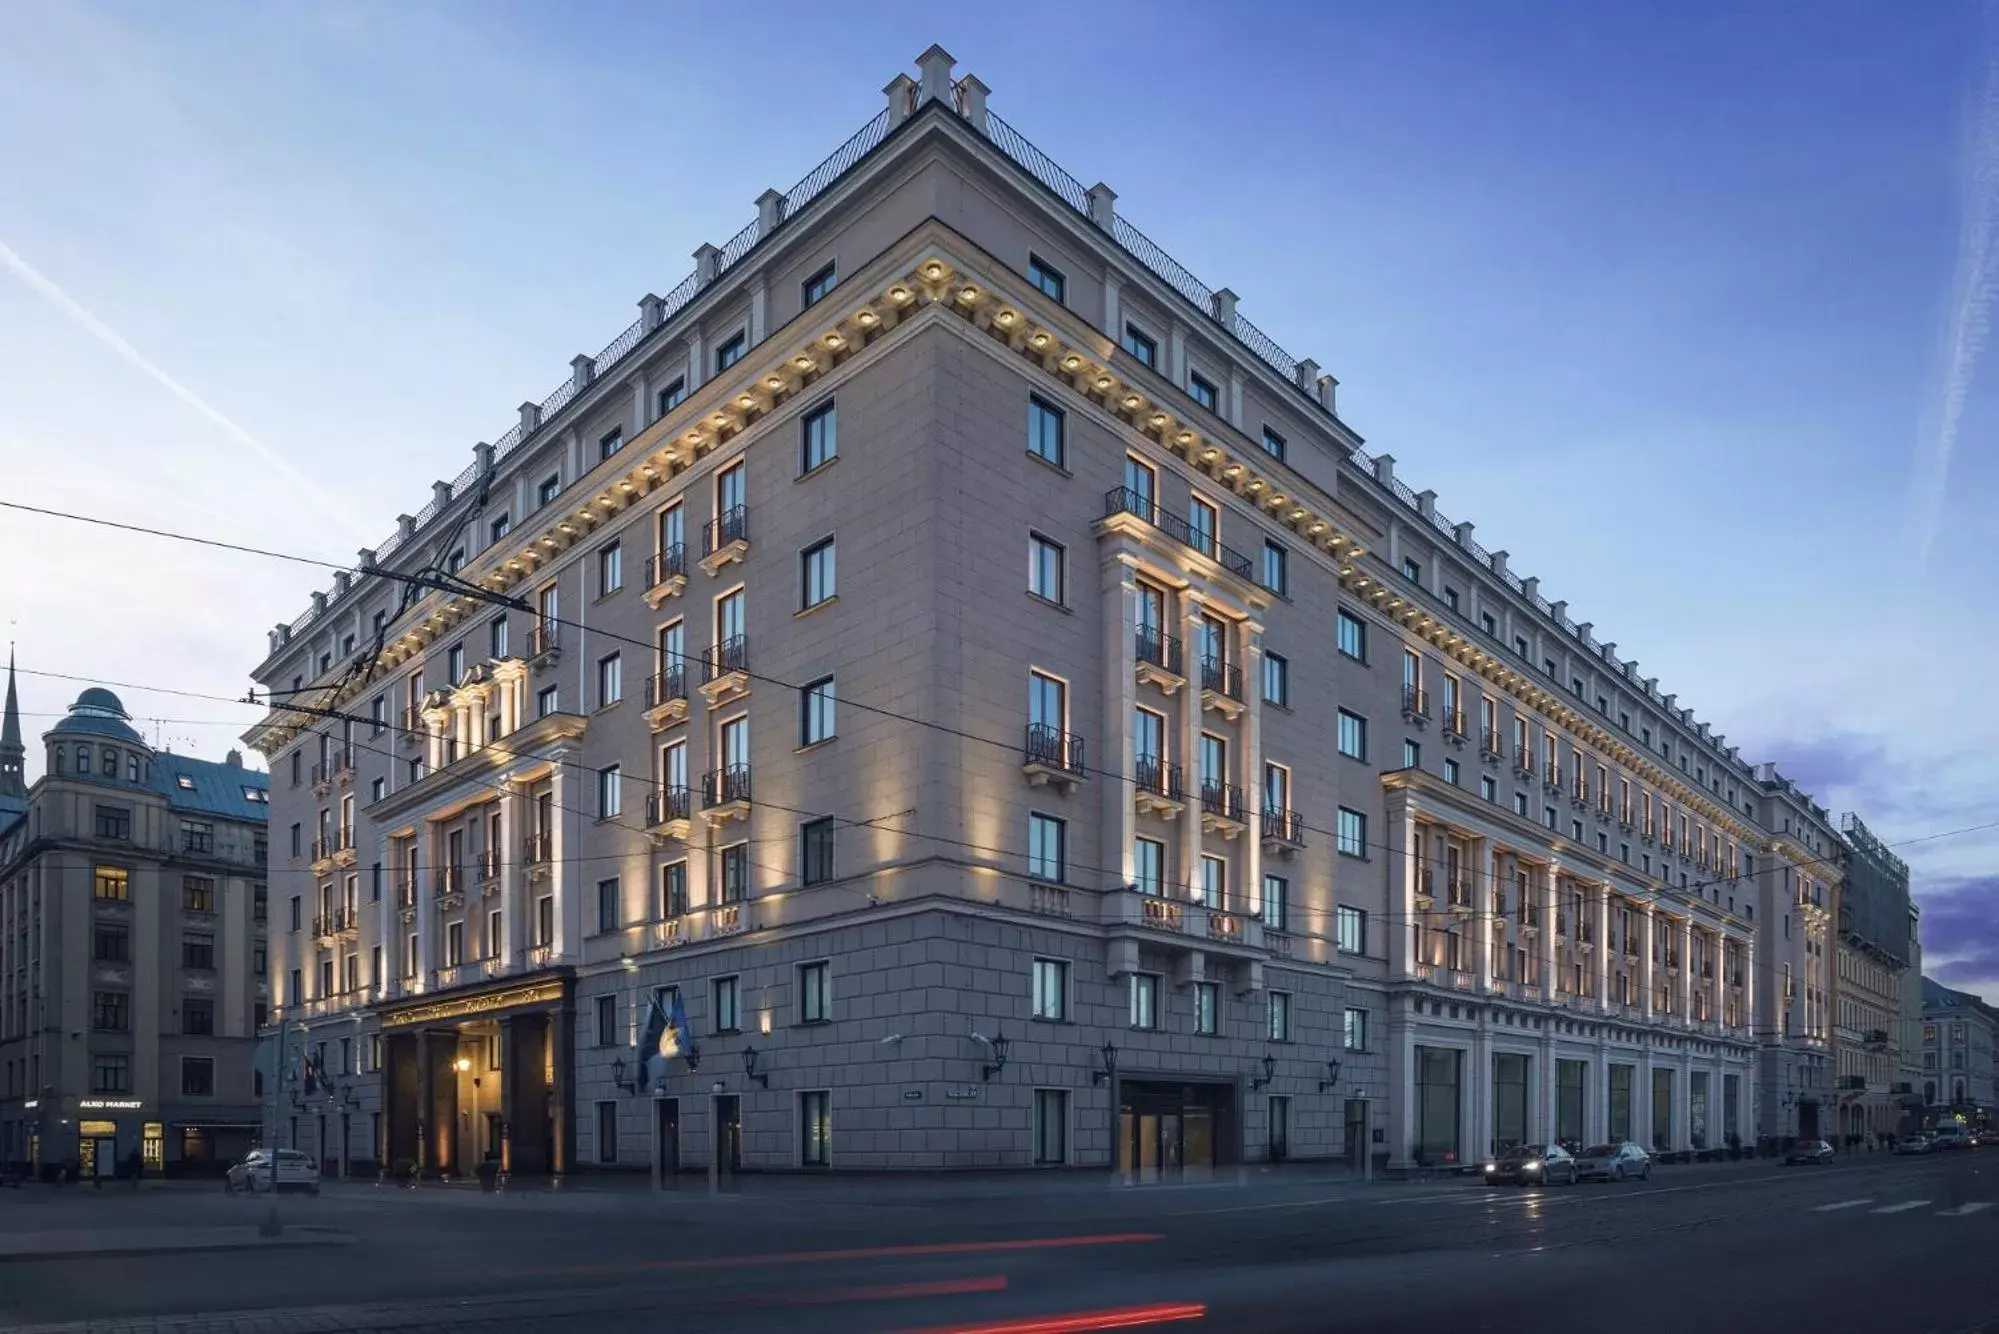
{"points": [[1047, 847], [1045, 569], [1141, 485], [1204, 526], [819, 438], [815, 289], [817, 574], [815, 851], [1051, 990]]}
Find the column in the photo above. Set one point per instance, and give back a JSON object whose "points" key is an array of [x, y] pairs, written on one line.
{"points": [[513, 872], [563, 1092], [1479, 1078], [1645, 983], [1120, 698], [1483, 894], [426, 1102], [1252, 761], [388, 922], [1546, 943], [1686, 969], [1176, 354], [565, 874], [1683, 1102], [1190, 724], [1543, 1077], [1113, 323], [1641, 1099], [1601, 959], [428, 860], [640, 404], [1402, 868], [697, 360]]}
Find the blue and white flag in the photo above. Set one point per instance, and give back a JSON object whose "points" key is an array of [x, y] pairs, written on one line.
{"points": [[666, 1034]]}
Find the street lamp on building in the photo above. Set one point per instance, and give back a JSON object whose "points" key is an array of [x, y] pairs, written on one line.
{"points": [[1108, 1071], [1332, 1075], [750, 1067], [1269, 1071]]}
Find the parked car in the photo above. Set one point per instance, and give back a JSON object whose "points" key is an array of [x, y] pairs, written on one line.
{"points": [[1614, 1162], [259, 1172], [1950, 1135], [1809, 1153], [1913, 1144], [1532, 1165]]}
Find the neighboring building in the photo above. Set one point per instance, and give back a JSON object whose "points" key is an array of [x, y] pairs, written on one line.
{"points": [[1871, 958], [1268, 815], [131, 950], [1909, 1032], [1959, 1033]]}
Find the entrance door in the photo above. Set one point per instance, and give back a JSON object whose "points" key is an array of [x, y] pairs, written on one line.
{"points": [[666, 1138], [729, 1132], [1808, 1120]]}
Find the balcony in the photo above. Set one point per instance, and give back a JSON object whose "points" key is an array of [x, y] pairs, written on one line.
{"points": [[668, 812], [1458, 886], [1052, 757], [489, 871], [1283, 831], [330, 927], [1221, 687], [666, 574], [1125, 501], [406, 895], [1453, 727], [1523, 762], [725, 670], [322, 777], [1426, 888], [1551, 781], [1579, 795], [725, 794], [1415, 706], [713, 923], [725, 537], [538, 852], [1877, 1037], [449, 892], [1222, 809], [1158, 788], [1530, 920], [666, 697], [1488, 748], [1159, 660], [544, 645], [1227, 929], [411, 728]]}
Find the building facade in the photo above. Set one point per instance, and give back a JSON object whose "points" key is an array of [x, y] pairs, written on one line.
{"points": [[1909, 1044], [1960, 1033], [132, 952], [1871, 960], [971, 672]]}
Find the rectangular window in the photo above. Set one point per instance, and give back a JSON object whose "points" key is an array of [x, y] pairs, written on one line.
{"points": [[815, 1128], [1207, 1008], [111, 1011], [1214, 881], [816, 709], [1273, 444], [607, 1132], [815, 992], [673, 395], [1412, 755], [610, 792], [1412, 570], [1488, 624], [1488, 787], [1353, 735], [1045, 438], [197, 1017], [819, 438], [1047, 851], [1051, 989], [1276, 680], [1051, 1127], [817, 575], [729, 353], [815, 851], [1450, 597], [1144, 997], [728, 1005], [1352, 833], [735, 871], [1451, 772], [1046, 277], [607, 904], [1202, 392], [111, 944], [197, 1076], [1353, 1035], [610, 680], [551, 487], [495, 530], [1204, 526], [1280, 1016], [814, 289], [110, 1072], [1141, 346], [610, 570], [1149, 865], [197, 893], [673, 889], [607, 1021], [1276, 569], [1045, 574], [197, 951], [114, 822], [610, 444], [546, 701], [1276, 903], [1353, 636]]}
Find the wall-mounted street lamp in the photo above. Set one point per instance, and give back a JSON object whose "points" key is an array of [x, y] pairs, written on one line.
{"points": [[999, 1046], [1108, 1071], [618, 1077], [1269, 1071], [1332, 1075], [750, 1067]]}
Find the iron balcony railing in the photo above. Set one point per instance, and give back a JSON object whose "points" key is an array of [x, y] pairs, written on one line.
{"points": [[1054, 747], [489, 864], [1160, 649], [450, 880], [731, 655], [1156, 776], [1224, 678], [665, 804], [668, 564], [1454, 722], [542, 639], [1124, 500], [412, 724], [335, 922], [406, 888], [720, 786], [1221, 799], [1415, 701], [1523, 760], [731, 525], [1287, 825], [666, 687], [538, 849]]}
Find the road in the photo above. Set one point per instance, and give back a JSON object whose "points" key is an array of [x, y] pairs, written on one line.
{"points": [[1874, 1243]]}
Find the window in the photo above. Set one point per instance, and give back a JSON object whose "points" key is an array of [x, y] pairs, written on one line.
{"points": [[114, 822], [197, 894], [1520, 645], [1520, 803], [1488, 787], [454, 666], [610, 680], [816, 705], [1353, 735], [607, 1021], [728, 1005], [496, 530], [607, 904], [111, 944], [1352, 833], [815, 1128], [673, 396], [111, 1011], [814, 289], [1412, 570], [1353, 636], [1144, 998], [197, 950], [1207, 1008], [735, 870], [1280, 1016], [1276, 903], [1548, 816], [1451, 772], [1202, 392], [1051, 989], [551, 487], [114, 883], [1488, 624], [1047, 853], [1276, 569], [1353, 1029], [1276, 680], [1142, 348], [1045, 568], [1273, 444], [295, 912], [1204, 526], [1450, 597], [610, 570], [819, 439], [673, 889], [729, 353], [547, 700], [1045, 438], [817, 579], [110, 1073], [815, 851], [815, 992], [1412, 755], [607, 1132], [1214, 882], [1051, 1127], [197, 1018], [1149, 865], [610, 793], [610, 445], [1046, 277], [197, 1076]]}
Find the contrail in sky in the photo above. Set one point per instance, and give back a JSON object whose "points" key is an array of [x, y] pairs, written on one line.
{"points": [[1972, 289], [104, 333]]}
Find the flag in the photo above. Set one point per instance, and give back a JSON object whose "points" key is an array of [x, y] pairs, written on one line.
{"points": [[666, 1034]]}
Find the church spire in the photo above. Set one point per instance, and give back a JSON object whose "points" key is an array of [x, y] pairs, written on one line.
{"points": [[13, 755]]}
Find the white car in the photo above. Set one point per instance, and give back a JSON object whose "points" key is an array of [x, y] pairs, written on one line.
{"points": [[1614, 1162], [257, 1173]]}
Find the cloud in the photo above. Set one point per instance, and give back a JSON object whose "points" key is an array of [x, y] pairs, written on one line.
{"points": [[1961, 934]]}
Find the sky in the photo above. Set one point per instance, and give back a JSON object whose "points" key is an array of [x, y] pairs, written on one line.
{"points": [[1683, 304]]}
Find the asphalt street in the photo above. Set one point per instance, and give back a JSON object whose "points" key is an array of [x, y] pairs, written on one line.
{"points": [[1872, 1243]]}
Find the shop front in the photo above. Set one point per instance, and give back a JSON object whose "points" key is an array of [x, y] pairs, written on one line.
{"points": [[1170, 1128]]}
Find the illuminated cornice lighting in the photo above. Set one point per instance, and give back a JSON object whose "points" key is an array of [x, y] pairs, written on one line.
{"points": [[866, 318], [933, 270], [1004, 319], [1039, 340], [1071, 362], [899, 294]]}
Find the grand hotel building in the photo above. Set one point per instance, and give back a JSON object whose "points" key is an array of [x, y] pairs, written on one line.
{"points": [[982, 673]]}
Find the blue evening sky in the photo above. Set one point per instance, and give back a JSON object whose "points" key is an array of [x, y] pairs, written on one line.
{"points": [[1668, 299]]}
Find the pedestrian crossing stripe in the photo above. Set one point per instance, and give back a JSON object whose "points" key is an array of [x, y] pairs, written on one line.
{"points": [[1975, 1206], [1901, 1208], [1843, 1204]]}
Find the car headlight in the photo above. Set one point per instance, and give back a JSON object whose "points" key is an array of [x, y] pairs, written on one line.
{"points": [[1532, 1166], [1492, 1167]]}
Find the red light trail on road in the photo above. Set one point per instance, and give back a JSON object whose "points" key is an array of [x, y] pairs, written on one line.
{"points": [[1082, 1322]]}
